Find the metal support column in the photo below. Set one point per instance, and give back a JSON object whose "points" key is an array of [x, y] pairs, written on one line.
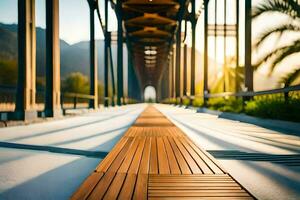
{"points": [[173, 73], [185, 64], [237, 45], [193, 49], [170, 75], [93, 58], [106, 98], [52, 98], [120, 53], [26, 89], [111, 64], [178, 63], [205, 71], [248, 50], [225, 47]]}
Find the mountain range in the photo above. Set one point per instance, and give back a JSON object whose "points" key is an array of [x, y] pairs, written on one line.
{"points": [[74, 58]]}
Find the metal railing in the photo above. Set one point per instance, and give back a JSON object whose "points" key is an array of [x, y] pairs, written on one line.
{"points": [[68, 100], [286, 93], [76, 100]]}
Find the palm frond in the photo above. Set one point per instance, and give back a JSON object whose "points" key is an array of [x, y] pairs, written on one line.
{"points": [[282, 55], [290, 78], [266, 58], [290, 8], [279, 30]]}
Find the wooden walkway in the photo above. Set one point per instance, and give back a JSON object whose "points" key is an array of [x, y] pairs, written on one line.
{"points": [[156, 160]]}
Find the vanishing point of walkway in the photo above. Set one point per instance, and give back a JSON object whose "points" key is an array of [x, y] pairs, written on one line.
{"points": [[156, 160]]}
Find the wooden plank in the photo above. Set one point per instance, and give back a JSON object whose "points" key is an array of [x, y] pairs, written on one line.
{"points": [[174, 167], [106, 162], [184, 167], [150, 187], [102, 186], [134, 167], [130, 154], [155, 160], [201, 194], [189, 192], [191, 178], [141, 187], [190, 181], [128, 187], [195, 184], [192, 164], [203, 166], [190, 175], [87, 186], [209, 160], [119, 159], [153, 157], [163, 163], [144, 167], [115, 187], [197, 198]]}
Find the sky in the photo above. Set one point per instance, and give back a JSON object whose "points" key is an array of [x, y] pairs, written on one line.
{"points": [[74, 18]]}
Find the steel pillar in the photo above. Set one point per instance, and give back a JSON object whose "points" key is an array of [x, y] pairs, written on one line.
{"points": [[106, 98], [248, 49], [52, 97], [237, 45], [205, 71], [111, 64], [225, 48], [178, 63], [193, 48], [120, 54], [185, 62], [93, 58], [26, 89], [173, 73]]}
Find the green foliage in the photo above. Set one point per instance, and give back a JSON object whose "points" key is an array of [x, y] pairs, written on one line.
{"points": [[186, 101], [198, 102], [76, 83], [169, 101], [100, 92], [230, 104], [269, 106], [150, 100], [8, 72], [275, 108], [131, 101]]}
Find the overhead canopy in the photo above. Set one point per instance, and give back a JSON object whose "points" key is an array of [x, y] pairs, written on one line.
{"points": [[150, 26]]}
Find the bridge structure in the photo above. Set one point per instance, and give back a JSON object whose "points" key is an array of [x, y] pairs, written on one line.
{"points": [[152, 157], [154, 33]]}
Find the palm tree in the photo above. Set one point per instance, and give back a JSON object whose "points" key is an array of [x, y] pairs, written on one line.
{"points": [[291, 9]]}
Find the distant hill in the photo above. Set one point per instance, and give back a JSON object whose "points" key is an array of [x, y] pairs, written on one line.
{"points": [[74, 58]]}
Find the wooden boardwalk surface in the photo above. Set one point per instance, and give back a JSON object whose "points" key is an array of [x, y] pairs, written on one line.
{"points": [[156, 160]]}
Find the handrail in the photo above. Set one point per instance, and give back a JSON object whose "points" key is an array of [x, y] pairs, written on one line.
{"points": [[250, 94], [77, 95], [11, 90]]}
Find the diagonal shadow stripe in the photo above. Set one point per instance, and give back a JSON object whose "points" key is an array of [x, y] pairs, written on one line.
{"points": [[71, 127], [286, 159], [78, 152]]}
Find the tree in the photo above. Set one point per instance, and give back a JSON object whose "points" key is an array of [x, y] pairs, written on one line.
{"points": [[8, 72], [76, 83], [290, 9]]}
